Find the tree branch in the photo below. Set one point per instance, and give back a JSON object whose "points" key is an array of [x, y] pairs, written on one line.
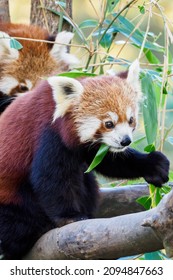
{"points": [[110, 238], [120, 200]]}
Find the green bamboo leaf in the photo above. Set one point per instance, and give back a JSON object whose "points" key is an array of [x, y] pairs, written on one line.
{"points": [[141, 9], [149, 109], [151, 57], [158, 196], [15, 44], [145, 201], [106, 41], [98, 157], [150, 148], [111, 5], [77, 74], [88, 23], [170, 175], [165, 189], [125, 27], [153, 256]]}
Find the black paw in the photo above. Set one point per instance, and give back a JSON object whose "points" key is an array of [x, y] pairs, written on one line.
{"points": [[157, 169]]}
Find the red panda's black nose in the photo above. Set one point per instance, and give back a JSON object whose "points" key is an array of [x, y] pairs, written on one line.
{"points": [[125, 141]]}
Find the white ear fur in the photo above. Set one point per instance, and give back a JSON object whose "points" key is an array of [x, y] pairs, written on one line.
{"points": [[133, 74], [59, 52], [6, 52], [64, 91]]}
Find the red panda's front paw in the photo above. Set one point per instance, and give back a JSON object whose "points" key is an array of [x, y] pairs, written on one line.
{"points": [[157, 169]]}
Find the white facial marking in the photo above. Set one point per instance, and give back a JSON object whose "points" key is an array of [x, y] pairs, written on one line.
{"points": [[113, 116], [62, 99], [129, 113], [7, 84], [115, 136], [28, 84], [87, 128]]}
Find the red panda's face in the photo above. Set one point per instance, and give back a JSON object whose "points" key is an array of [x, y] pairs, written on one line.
{"points": [[103, 109], [108, 109], [107, 112]]}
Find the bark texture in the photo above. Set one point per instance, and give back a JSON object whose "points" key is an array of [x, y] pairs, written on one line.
{"points": [[40, 15], [4, 10], [110, 238], [120, 200]]}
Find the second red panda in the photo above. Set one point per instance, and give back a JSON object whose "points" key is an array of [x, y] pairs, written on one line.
{"points": [[20, 70]]}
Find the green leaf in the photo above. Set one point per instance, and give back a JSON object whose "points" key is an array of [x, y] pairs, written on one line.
{"points": [[15, 44], [155, 195], [150, 148], [151, 189], [145, 201], [152, 256], [77, 74], [125, 27], [88, 23], [149, 109], [165, 190], [158, 196], [142, 9], [170, 175], [151, 57], [111, 5], [106, 41], [138, 36], [165, 90], [98, 157]]}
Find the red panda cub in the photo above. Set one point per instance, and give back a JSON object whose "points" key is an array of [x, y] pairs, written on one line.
{"points": [[45, 152], [21, 69]]}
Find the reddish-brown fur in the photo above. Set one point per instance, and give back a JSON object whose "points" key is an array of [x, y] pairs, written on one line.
{"points": [[104, 94], [34, 59], [35, 119]]}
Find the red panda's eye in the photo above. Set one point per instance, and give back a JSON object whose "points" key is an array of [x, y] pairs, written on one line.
{"points": [[131, 120], [109, 124], [23, 88]]}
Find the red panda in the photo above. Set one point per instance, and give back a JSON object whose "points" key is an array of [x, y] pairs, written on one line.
{"points": [[21, 69], [45, 152]]}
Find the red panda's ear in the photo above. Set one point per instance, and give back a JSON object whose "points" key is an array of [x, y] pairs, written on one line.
{"points": [[59, 50], [133, 75], [7, 53], [64, 90]]}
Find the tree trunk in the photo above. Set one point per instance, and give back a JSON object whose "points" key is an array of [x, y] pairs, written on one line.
{"points": [[110, 238], [4, 10], [40, 15]]}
